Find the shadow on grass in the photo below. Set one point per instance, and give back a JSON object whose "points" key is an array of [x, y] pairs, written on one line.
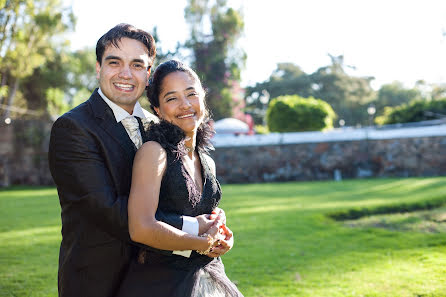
{"points": [[356, 213]]}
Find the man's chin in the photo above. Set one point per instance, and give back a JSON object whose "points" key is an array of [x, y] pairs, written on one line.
{"points": [[127, 101]]}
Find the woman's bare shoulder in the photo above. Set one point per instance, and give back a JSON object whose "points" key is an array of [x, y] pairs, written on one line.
{"points": [[149, 150]]}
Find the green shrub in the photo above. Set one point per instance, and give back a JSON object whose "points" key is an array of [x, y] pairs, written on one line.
{"points": [[295, 114], [416, 111], [260, 129]]}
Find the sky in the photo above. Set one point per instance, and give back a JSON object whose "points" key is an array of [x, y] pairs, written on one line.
{"points": [[391, 40]]}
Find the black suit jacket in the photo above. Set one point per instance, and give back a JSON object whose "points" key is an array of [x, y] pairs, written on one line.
{"points": [[90, 158]]}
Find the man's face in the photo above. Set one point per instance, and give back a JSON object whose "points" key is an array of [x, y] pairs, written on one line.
{"points": [[123, 73]]}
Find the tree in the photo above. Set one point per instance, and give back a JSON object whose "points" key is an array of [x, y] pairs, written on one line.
{"points": [[438, 91], [348, 95], [27, 29], [415, 111], [286, 79], [63, 82], [294, 113], [215, 56], [394, 94], [161, 54]]}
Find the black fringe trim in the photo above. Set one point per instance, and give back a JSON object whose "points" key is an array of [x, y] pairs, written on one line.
{"points": [[172, 138]]}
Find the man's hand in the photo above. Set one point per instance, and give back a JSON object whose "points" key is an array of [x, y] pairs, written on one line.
{"points": [[219, 212], [205, 221]]}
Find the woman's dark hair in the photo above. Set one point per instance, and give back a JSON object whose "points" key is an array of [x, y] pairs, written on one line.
{"points": [[204, 131], [125, 30]]}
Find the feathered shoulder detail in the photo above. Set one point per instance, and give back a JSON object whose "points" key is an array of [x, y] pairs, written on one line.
{"points": [[172, 138]]}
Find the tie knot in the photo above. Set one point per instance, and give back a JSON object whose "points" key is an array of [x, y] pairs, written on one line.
{"points": [[130, 123]]}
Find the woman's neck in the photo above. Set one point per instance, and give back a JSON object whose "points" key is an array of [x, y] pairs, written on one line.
{"points": [[190, 145]]}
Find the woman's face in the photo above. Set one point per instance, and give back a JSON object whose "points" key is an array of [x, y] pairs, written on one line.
{"points": [[181, 102]]}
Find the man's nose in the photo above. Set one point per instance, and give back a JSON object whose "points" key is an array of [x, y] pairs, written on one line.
{"points": [[125, 72]]}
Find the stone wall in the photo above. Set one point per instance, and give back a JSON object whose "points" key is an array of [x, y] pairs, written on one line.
{"points": [[354, 153], [23, 153], [385, 153]]}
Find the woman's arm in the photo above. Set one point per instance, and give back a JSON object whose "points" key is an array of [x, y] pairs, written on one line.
{"points": [[148, 169]]}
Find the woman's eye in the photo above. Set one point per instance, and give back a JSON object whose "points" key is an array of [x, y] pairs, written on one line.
{"points": [[170, 99], [193, 94]]}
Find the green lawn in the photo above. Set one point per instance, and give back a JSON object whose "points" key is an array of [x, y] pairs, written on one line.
{"points": [[285, 243]]}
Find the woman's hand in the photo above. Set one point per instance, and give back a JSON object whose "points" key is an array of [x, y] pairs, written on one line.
{"points": [[222, 236], [212, 235], [224, 244]]}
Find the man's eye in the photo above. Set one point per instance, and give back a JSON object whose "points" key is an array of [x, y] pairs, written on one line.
{"points": [[139, 66], [113, 63], [170, 99], [193, 94]]}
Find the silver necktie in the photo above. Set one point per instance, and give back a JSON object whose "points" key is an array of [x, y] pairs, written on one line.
{"points": [[131, 125]]}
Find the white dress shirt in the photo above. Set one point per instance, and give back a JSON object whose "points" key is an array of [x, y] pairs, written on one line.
{"points": [[190, 224]]}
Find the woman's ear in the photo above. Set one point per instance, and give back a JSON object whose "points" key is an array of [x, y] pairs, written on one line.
{"points": [[157, 110]]}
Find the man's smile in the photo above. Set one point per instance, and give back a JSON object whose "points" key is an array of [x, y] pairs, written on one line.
{"points": [[124, 87]]}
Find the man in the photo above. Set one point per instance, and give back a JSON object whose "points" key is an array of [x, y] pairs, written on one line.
{"points": [[91, 155]]}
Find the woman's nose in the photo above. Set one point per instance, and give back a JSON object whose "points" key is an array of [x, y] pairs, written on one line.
{"points": [[185, 103]]}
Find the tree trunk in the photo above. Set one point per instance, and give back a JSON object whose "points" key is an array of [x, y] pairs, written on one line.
{"points": [[2, 84], [11, 96]]}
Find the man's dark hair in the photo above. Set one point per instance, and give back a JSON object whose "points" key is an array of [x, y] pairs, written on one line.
{"points": [[115, 34]]}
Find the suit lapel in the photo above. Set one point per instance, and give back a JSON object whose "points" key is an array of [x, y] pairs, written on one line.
{"points": [[142, 130], [107, 121]]}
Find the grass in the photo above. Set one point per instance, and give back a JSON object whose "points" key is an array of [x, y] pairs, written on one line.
{"points": [[286, 245], [29, 242]]}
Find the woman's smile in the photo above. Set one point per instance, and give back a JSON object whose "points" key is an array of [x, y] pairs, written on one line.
{"points": [[185, 116]]}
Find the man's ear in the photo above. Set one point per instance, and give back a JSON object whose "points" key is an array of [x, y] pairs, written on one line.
{"points": [[148, 75], [98, 69]]}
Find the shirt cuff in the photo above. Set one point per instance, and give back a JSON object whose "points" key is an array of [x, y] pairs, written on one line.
{"points": [[190, 226]]}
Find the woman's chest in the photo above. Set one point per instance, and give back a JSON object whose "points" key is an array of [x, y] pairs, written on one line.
{"points": [[180, 193]]}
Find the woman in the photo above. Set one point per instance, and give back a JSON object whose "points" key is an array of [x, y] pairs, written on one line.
{"points": [[173, 172]]}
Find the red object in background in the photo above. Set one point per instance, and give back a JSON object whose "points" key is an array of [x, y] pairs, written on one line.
{"points": [[250, 122]]}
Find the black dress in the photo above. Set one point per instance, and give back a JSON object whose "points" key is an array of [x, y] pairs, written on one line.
{"points": [[159, 273]]}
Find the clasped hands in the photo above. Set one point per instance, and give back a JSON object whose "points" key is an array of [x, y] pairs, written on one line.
{"points": [[215, 226]]}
